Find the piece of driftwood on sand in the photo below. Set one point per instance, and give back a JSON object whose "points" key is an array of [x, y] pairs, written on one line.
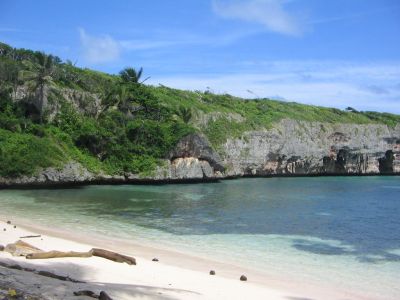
{"points": [[30, 236], [21, 248], [93, 252]]}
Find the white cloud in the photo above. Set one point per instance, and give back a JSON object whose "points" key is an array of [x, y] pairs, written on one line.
{"points": [[145, 44], [161, 40], [326, 83], [99, 49], [272, 14], [7, 29]]}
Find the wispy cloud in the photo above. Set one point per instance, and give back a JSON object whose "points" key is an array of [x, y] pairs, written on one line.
{"points": [[325, 83], [272, 14], [99, 49], [379, 90], [137, 44], [361, 14], [105, 48], [8, 29], [170, 39]]}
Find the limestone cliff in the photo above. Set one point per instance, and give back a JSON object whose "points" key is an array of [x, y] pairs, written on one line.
{"points": [[289, 148], [300, 148]]}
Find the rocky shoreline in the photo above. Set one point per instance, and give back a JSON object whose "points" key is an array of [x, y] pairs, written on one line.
{"points": [[291, 148]]}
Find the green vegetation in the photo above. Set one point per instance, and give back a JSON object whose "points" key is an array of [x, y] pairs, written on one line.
{"points": [[129, 132], [52, 112]]}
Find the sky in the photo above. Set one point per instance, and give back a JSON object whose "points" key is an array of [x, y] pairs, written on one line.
{"points": [[335, 53]]}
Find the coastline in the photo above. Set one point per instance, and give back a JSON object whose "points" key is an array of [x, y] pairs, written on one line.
{"points": [[175, 270], [126, 181]]}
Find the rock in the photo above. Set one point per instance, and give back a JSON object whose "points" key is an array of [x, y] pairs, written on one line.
{"points": [[208, 171], [104, 296], [197, 146], [386, 162], [1, 248], [83, 102], [186, 168], [87, 293], [243, 278], [72, 172], [212, 272], [15, 226], [4, 229], [293, 147], [289, 147], [155, 259], [8, 222]]}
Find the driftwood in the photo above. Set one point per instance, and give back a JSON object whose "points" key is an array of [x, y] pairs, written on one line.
{"points": [[30, 236], [21, 248], [93, 252], [57, 254], [113, 256], [41, 273]]}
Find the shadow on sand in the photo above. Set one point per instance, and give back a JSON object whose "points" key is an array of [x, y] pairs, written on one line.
{"points": [[30, 283]]}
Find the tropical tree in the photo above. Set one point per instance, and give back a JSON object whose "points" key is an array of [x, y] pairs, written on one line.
{"points": [[120, 98], [185, 113], [131, 75], [40, 78]]}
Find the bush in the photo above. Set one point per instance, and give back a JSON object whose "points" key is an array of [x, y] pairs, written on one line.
{"points": [[24, 154]]}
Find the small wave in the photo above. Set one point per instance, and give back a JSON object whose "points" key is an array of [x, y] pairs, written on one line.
{"points": [[397, 187], [324, 214]]}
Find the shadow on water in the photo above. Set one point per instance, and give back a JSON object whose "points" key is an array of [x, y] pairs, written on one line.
{"points": [[320, 248], [327, 249], [361, 213]]}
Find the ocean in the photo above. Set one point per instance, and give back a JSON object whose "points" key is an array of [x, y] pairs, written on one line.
{"points": [[337, 231]]}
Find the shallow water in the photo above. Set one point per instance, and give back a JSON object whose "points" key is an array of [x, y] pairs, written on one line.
{"points": [[338, 231]]}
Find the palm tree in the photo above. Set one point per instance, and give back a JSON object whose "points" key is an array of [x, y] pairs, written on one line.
{"points": [[119, 98], [116, 98], [130, 75], [185, 113], [40, 78]]}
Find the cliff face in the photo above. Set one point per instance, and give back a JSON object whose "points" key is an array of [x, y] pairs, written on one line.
{"points": [[300, 147], [68, 125], [289, 148]]}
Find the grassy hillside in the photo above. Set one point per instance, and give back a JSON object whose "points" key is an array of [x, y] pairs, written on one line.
{"points": [[133, 125]]}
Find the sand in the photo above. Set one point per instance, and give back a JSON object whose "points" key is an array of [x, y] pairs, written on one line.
{"points": [[174, 276]]}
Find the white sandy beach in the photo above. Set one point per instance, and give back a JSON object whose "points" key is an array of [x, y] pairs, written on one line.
{"points": [[174, 276]]}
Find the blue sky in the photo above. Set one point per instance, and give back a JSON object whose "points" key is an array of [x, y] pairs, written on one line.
{"points": [[327, 52]]}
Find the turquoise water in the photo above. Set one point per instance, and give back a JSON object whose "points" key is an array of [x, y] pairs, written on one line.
{"points": [[338, 231]]}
